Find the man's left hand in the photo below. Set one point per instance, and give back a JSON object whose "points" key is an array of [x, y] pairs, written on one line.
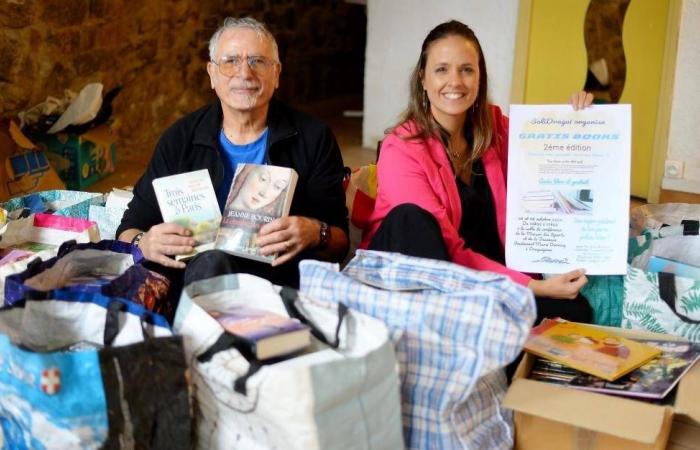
{"points": [[288, 236]]}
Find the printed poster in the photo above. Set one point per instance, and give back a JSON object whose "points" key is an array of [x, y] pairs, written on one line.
{"points": [[568, 188]]}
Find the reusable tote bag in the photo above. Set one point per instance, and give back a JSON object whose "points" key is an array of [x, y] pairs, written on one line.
{"points": [[39, 236], [452, 329], [661, 303], [112, 268], [60, 388], [328, 398]]}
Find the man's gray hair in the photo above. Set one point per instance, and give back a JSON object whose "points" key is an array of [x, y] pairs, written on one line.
{"points": [[243, 22]]}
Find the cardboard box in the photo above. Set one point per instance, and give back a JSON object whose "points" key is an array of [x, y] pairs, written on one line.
{"points": [[548, 416], [23, 168], [80, 160]]}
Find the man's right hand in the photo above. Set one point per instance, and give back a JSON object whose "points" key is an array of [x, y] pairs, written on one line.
{"points": [[167, 239]]}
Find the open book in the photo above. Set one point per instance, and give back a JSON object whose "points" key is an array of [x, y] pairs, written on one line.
{"points": [[259, 194], [189, 200]]}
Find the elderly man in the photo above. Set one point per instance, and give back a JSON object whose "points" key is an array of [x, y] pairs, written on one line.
{"points": [[246, 125]]}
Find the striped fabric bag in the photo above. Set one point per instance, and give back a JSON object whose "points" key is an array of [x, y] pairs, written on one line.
{"points": [[453, 329]]}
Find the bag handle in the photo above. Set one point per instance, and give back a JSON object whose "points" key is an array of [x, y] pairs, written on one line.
{"points": [[289, 297], [690, 227], [228, 340], [112, 323], [667, 292], [66, 248]]}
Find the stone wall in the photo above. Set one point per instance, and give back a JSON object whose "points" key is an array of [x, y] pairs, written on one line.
{"points": [[158, 50]]}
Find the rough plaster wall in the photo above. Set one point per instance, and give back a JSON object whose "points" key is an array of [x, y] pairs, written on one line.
{"points": [[158, 52], [684, 130], [395, 32]]}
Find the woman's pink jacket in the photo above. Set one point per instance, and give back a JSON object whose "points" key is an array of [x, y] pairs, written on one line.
{"points": [[419, 172]]}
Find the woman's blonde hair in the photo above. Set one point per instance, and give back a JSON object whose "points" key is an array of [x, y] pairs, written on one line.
{"points": [[478, 127]]}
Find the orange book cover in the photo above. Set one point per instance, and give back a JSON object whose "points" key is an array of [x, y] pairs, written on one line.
{"points": [[588, 349]]}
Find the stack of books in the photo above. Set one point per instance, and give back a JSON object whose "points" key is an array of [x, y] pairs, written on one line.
{"points": [[593, 359]]}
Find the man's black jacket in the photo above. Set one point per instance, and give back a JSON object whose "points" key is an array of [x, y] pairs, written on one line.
{"points": [[295, 140]]}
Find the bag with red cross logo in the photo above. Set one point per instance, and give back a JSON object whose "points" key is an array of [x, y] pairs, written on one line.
{"points": [[91, 371]]}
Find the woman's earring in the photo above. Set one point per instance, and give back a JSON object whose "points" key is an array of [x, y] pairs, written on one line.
{"points": [[425, 100], [475, 106]]}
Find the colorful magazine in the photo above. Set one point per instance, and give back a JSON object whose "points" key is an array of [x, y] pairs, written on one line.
{"points": [[654, 380], [589, 349], [259, 194]]}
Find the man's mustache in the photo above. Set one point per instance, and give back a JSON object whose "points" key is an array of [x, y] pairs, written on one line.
{"points": [[245, 86]]}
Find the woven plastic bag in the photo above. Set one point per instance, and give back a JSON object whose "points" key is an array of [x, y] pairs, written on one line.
{"points": [[111, 268], [342, 396], [453, 330], [92, 373]]}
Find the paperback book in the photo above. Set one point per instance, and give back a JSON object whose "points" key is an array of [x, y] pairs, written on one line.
{"points": [[188, 199], [653, 380], [259, 194], [589, 349], [268, 335]]}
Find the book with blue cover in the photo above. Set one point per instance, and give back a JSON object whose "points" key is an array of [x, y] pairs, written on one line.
{"points": [[269, 335]]}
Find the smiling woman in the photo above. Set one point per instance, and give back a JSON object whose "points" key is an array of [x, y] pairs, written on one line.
{"points": [[442, 171]]}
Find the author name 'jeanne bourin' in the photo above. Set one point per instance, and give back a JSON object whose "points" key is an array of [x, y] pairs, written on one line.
{"points": [[251, 216]]}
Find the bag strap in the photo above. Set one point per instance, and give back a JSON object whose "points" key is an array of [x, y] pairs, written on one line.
{"points": [[228, 340], [112, 323], [66, 248], [667, 292], [690, 227], [289, 297]]}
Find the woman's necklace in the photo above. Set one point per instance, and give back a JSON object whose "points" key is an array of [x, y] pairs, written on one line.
{"points": [[458, 160], [457, 154]]}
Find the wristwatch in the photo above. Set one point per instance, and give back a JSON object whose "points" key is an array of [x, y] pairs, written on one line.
{"points": [[137, 239], [324, 235]]}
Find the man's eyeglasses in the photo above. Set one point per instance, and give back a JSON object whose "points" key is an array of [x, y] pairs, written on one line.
{"points": [[231, 65]]}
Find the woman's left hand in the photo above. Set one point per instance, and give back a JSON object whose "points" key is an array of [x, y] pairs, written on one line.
{"points": [[581, 99], [288, 236]]}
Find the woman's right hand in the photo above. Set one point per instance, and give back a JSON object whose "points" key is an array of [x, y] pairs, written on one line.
{"points": [[564, 286], [166, 239]]}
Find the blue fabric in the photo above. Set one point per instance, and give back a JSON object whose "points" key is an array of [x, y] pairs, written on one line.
{"points": [[31, 418], [64, 203], [233, 154], [453, 329]]}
